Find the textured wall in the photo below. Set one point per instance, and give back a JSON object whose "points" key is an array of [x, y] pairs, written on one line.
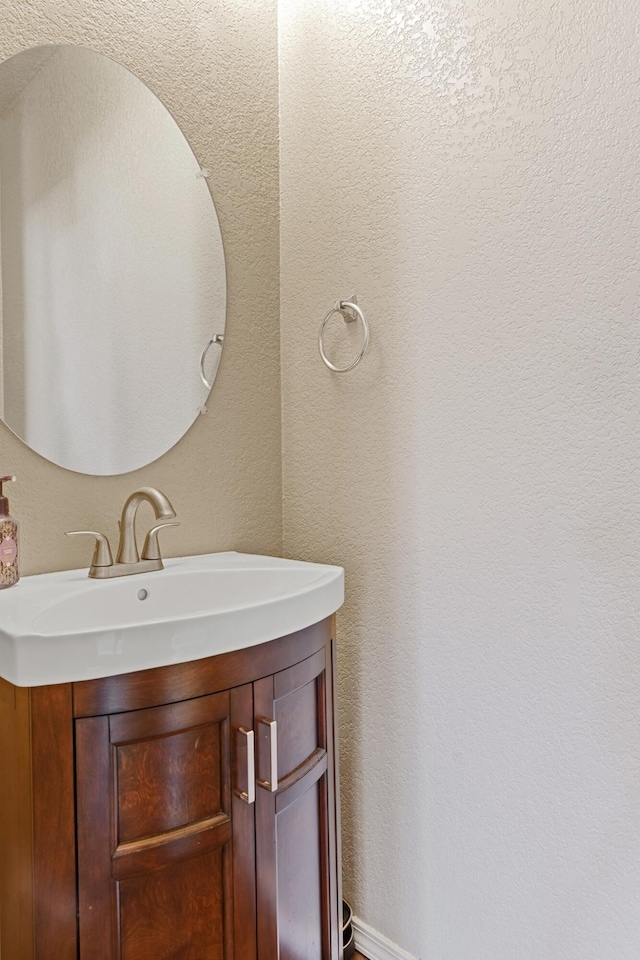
{"points": [[470, 168], [214, 64]]}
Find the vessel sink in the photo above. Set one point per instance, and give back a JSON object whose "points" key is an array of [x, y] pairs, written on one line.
{"points": [[62, 627]]}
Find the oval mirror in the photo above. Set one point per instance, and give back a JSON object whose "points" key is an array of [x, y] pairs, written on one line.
{"points": [[112, 274]]}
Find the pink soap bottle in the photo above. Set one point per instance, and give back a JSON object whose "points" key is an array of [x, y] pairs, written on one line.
{"points": [[9, 573]]}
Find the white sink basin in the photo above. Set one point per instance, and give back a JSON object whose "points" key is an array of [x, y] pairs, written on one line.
{"points": [[59, 627]]}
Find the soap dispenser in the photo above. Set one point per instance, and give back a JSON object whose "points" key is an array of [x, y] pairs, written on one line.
{"points": [[9, 574]]}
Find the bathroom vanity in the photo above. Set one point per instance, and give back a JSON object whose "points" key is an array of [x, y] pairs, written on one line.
{"points": [[185, 811]]}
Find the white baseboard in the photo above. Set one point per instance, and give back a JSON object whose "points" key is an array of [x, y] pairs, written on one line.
{"points": [[374, 946]]}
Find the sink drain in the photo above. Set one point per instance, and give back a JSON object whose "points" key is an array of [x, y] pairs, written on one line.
{"points": [[142, 594]]}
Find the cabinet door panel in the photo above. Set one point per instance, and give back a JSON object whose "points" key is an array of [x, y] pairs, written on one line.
{"points": [[176, 911], [303, 933], [299, 732], [169, 782], [157, 830], [296, 865]]}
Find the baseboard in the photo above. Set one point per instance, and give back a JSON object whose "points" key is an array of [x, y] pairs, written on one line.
{"points": [[374, 946]]}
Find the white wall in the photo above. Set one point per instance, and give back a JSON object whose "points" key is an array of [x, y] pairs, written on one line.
{"points": [[470, 169]]}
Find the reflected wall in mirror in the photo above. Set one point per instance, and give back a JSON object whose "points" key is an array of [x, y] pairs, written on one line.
{"points": [[112, 274]]}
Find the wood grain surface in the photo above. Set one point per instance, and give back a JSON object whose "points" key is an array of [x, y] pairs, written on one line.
{"points": [[164, 846]]}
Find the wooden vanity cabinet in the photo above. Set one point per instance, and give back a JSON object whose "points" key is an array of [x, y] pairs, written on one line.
{"points": [[129, 829]]}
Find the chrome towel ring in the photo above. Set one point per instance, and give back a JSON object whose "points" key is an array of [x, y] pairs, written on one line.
{"points": [[350, 312], [216, 338]]}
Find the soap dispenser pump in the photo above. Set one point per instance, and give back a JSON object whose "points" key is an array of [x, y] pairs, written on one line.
{"points": [[9, 573]]}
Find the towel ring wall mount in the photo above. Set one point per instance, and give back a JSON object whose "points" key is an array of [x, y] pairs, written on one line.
{"points": [[350, 313]]}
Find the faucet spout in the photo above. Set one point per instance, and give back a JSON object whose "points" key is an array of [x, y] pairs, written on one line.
{"points": [[128, 547]]}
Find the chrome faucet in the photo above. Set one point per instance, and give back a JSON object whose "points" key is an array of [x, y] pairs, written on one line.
{"points": [[128, 560]]}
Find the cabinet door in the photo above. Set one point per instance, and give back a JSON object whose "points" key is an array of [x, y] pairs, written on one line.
{"points": [[295, 814], [166, 857]]}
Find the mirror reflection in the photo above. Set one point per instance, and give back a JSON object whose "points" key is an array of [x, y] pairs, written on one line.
{"points": [[112, 275]]}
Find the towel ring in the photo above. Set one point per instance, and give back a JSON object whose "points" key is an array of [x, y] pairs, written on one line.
{"points": [[216, 338], [346, 309]]}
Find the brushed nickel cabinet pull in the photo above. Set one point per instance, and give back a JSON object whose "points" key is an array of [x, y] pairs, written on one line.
{"points": [[249, 795], [272, 728]]}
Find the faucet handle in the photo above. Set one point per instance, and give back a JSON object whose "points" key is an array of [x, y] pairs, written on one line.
{"points": [[102, 553], [151, 549]]}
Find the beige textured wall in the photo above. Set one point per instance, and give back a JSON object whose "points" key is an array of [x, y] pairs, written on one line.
{"points": [[214, 64], [470, 168]]}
